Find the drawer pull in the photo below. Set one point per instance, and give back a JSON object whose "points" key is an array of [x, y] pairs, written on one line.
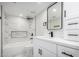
{"points": [[64, 13], [67, 54], [40, 51], [72, 35], [72, 23]]}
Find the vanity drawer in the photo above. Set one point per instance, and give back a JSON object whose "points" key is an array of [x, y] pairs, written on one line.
{"points": [[45, 44], [42, 52], [72, 24], [67, 52], [46, 53], [72, 35]]}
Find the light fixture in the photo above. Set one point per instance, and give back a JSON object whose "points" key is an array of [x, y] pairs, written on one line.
{"points": [[39, 2], [21, 15], [54, 10]]}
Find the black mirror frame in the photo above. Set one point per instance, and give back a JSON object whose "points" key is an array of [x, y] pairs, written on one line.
{"points": [[61, 15]]}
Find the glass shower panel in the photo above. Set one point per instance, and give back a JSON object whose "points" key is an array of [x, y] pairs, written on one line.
{"points": [[16, 37]]}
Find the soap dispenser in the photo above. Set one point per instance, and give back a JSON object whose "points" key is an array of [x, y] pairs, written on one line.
{"points": [[51, 34]]}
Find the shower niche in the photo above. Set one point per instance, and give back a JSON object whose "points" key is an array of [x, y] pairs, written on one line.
{"points": [[18, 34]]}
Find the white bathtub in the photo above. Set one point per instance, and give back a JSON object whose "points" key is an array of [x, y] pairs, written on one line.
{"points": [[18, 49]]}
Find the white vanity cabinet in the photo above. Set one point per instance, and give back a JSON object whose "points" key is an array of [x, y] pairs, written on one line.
{"points": [[42, 52], [54, 48], [72, 24], [71, 29], [72, 35], [67, 52], [71, 21], [44, 48], [71, 9]]}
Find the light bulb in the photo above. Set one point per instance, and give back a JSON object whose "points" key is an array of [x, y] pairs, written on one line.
{"points": [[54, 10]]}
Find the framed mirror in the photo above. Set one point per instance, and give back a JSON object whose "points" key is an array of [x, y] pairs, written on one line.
{"points": [[55, 16]]}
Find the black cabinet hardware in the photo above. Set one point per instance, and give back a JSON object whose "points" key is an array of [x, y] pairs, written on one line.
{"points": [[64, 13], [40, 51], [67, 54], [72, 34], [72, 23]]}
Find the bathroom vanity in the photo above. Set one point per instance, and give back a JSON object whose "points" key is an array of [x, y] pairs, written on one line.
{"points": [[55, 47], [60, 47]]}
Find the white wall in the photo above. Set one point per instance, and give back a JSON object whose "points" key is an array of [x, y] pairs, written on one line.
{"points": [[42, 30]]}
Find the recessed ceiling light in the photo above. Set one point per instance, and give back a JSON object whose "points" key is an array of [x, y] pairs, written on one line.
{"points": [[39, 2]]}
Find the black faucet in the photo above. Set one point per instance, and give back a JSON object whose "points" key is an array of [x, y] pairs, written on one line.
{"points": [[51, 33]]}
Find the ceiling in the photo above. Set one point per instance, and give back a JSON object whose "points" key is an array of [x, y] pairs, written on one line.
{"points": [[25, 9]]}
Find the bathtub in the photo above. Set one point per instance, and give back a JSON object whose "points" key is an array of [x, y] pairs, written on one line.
{"points": [[18, 49]]}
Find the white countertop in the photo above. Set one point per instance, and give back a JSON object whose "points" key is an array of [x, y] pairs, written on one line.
{"points": [[60, 41]]}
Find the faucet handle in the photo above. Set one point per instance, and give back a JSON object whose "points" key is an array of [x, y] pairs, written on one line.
{"points": [[49, 33]]}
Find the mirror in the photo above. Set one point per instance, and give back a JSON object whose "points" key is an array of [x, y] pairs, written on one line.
{"points": [[55, 16]]}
